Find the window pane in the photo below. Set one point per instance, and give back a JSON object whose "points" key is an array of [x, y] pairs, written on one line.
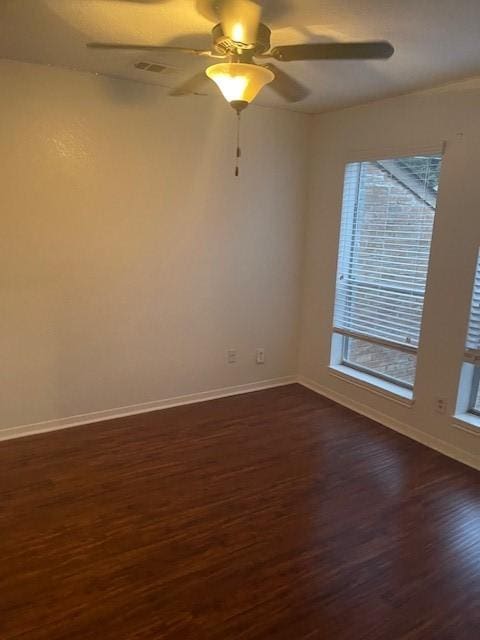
{"points": [[475, 392], [476, 402], [472, 344], [388, 213], [377, 359], [387, 222]]}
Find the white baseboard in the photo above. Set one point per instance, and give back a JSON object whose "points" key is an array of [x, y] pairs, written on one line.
{"points": [[411, 432], [145, 407]]}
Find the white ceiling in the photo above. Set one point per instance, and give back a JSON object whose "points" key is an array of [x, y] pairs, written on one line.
{"points": [[436, 41]]}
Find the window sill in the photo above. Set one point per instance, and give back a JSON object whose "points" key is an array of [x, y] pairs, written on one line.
{"points": [[375, 385], [467, 422]]}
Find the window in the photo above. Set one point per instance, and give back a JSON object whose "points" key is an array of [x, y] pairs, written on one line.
{"points": [[469, 393], [387, 221]]}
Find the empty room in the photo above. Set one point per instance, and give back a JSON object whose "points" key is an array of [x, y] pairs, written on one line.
{"points": [[240, 320]]}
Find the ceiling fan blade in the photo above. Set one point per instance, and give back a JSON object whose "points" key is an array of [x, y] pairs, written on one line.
{"points": [[146, 47], [240, 19], [333, 51], [195, 84], [286, 86]]}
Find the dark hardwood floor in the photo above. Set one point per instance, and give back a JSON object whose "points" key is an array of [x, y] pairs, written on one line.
{"points": [[276, 514]]}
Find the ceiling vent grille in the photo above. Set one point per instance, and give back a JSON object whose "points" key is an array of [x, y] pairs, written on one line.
{"points": [[150, 66]]}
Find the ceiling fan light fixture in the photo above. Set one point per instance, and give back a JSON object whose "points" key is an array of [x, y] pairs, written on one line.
{"points": [[240, 20], [239, 82]]}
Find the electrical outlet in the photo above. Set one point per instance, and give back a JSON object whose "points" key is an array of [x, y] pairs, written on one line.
{"points": [[231, 356], [440, 405], [260, 356]]}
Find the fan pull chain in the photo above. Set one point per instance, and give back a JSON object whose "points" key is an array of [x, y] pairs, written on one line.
{"points": [[239, 152]]}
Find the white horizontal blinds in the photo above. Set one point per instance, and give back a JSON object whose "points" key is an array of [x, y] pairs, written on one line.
{"points": [[387, 221], [473, 335]]}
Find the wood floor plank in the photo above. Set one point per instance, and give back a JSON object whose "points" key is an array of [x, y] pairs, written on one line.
{"points": [[277, 514]]}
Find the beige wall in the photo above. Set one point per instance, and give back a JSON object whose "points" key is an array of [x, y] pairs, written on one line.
{"points": [[383, 129], [131, 259], [130, 256]]}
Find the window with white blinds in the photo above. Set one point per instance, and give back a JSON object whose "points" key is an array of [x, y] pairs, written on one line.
{"points": [[387, 222], [472, 346], [470, 379]]}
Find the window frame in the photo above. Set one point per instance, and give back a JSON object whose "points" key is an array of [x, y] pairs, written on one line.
{"points": [[338, 354]]}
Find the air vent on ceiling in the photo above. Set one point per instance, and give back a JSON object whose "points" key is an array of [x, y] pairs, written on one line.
{"points": [[150, 66]]}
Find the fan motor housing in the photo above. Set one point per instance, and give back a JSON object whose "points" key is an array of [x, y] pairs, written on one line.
{"points": [[225, 45]]}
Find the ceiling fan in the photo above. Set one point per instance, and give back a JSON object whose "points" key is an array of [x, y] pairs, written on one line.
{"points": [[242, 42]]}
